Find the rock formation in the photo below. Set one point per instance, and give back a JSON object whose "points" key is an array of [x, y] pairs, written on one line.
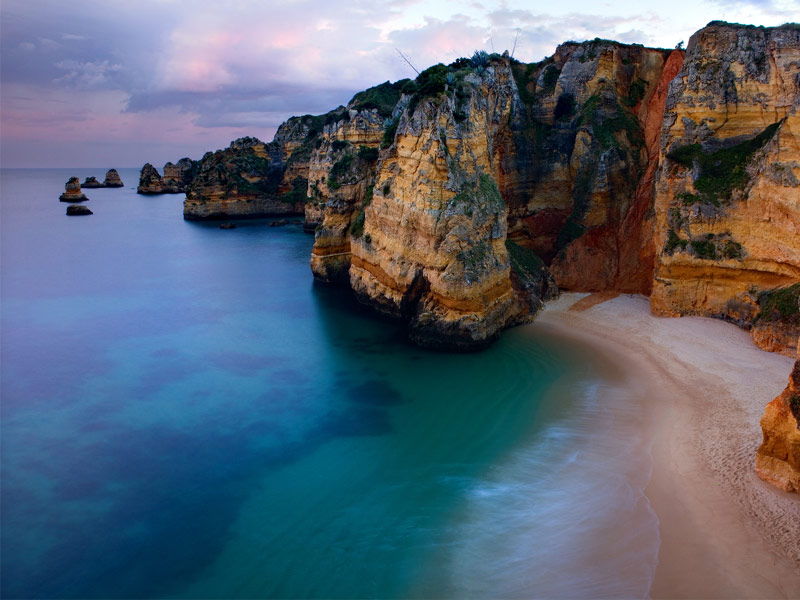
{"points": [[150, 181], [176, 179], [606, 166], [778, 457], [727, 193], [73, 191], [112, 179], [242, 181], [77, 210], [91, 182]]}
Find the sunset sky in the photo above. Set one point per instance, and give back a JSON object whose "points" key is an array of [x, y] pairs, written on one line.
{"points": [[91, 83]]}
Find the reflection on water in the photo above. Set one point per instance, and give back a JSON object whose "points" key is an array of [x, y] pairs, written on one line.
{"points": [[185, 414]]}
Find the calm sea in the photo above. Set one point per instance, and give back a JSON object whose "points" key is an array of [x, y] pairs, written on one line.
{"points": [[186, 415]]}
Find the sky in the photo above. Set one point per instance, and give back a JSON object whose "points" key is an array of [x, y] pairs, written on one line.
{"points": [[106, 83]]}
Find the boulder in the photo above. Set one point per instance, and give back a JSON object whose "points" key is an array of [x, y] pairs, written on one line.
{"points": [[78, 210]]}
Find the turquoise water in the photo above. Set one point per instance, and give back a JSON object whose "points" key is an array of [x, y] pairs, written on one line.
{"points": [[185, 414]]}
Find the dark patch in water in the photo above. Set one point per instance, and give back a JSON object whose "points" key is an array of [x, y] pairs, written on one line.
{"points": [[375, 392], [243, 364]]}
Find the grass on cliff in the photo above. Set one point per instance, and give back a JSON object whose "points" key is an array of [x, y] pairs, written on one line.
{"points": [[722, 171], [338, 170], [383, 97], [525, 262], [780, 304], [607, 118], [357, 227]]}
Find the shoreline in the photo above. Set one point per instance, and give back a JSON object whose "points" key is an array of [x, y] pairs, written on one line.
{"points": [[724, 532]]}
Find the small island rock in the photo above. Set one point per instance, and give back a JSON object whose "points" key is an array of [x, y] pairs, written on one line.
{"points": [[91, 182], [77, 210], [150, 181], [73, 191], [113, 179]]}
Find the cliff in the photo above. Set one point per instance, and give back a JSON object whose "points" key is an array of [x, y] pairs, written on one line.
{"points": [[176, 178], [605, 167], [727, 194], [778, 457]]}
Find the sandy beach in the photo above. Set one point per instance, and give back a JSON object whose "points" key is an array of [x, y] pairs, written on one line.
{"points": [[704, 384]]}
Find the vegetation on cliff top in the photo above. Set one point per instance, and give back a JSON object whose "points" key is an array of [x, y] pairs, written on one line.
{"points": [[383, 97], [721, 172]]}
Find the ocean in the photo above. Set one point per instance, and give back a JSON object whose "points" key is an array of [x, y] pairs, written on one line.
{"points": [[186, 414]]}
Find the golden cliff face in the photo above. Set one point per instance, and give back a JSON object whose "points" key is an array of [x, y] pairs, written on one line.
{"points": [[727, 190], [433, 244], [778, 458], [341, 181], [241, 181]]}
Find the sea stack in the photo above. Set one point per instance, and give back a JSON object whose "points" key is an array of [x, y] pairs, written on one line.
{"points": [[78, 210], [73, 191], [778, 458], [91, 182], [113, 179], [150, 181]]}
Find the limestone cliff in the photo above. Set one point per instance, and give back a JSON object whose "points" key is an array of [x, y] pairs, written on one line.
{"points": [[342, 174], [176, 179], [778, 457], [727, 194], [433, 248], [240, 181]]}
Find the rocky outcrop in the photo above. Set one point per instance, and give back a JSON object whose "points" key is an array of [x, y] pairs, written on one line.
{"points": [[112, 179], [77, 210], [342, 174], [72, 191], [727, 190], [91, 182], [241, 181], [177, 177], [433, 248], [778, 457], [150, 181]]}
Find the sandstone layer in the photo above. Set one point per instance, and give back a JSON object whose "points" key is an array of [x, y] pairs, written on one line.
{"points": [[113, 179], [72, 191], [727, 193], [778, 458]]}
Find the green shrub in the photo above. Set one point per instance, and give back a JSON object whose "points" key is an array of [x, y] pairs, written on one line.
{"points": [[383, 97], [635, 92], [431, 82], [339, 169], [704, 249], [550, 78], [367, 154], [357, 227], [337, 145], [389, 133], [673, 242], [524, 261], [780, 304], [722, 171]]}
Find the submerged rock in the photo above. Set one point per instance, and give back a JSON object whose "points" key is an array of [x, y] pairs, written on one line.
{"points": [[73, 191], [77, 210], [113, 179], [228, 226]]}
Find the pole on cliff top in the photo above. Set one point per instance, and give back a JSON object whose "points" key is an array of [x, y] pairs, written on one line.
{"points": [[516, 37], [403, 56]]}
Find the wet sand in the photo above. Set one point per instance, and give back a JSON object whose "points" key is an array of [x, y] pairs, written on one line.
{"points": [[724, 532]]}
